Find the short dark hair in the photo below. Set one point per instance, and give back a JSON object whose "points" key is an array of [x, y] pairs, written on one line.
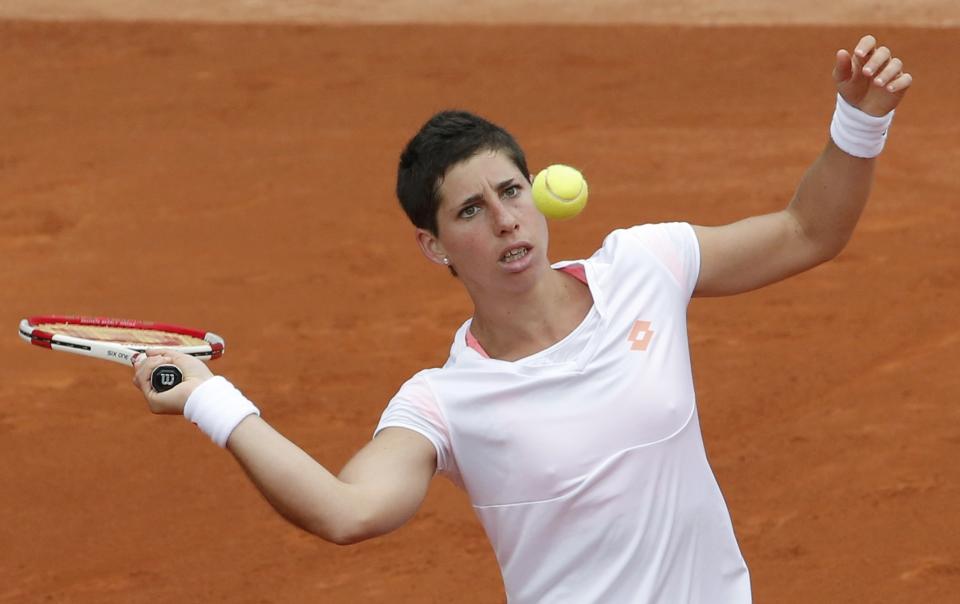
{"points": [[446, 139]]}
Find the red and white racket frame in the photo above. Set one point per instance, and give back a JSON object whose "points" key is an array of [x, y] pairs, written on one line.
{"points": [[119, 353]]}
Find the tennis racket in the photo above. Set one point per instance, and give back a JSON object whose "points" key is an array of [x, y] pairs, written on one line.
{"points": [[120, 340]]}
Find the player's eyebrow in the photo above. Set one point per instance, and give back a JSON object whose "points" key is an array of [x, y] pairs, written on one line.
{"points": [[470, 200], [479, 196]]}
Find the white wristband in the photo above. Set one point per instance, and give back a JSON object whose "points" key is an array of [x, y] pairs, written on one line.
{"points": [[216, 407], [857, 133]]}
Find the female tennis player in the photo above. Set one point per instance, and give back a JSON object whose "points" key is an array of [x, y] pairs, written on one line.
{"points": [[566, 408]]}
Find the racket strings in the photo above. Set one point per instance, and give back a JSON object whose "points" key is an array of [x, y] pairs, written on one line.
{"points": [[124, 336]]}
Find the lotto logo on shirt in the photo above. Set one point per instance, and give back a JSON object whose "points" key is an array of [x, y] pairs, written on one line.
{"points": [[640, 335]]}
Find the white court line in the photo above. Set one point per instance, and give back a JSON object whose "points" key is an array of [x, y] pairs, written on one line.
{"points": [[928, 13]]}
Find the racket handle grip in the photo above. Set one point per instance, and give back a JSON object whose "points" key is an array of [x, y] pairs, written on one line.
{"points": [[165, 377]]}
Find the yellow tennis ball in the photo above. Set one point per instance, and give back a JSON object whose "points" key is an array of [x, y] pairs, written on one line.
{"points": [[560, 192]]}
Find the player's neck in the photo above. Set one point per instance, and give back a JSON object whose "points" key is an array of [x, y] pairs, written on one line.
{"points": [[526, 323]]}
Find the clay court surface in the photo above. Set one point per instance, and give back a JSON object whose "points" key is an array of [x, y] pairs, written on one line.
{"points": [[238, 177]]}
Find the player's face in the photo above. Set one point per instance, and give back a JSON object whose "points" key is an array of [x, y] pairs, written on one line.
{"points": [[488, 225]]}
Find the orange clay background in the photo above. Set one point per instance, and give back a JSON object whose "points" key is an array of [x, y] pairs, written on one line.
{"points": [[238, 177]]}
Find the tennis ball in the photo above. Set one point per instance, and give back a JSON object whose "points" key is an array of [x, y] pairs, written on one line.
{"points": [[560, 192]]}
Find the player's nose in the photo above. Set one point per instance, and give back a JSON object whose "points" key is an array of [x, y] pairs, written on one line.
{"points": [[505, 219]]}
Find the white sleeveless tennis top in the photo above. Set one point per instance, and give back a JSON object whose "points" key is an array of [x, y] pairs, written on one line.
{"points": [[584, 462]]}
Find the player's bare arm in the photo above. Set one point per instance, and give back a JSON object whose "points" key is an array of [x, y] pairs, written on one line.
{"points": [[820, 218], [378, 490]]}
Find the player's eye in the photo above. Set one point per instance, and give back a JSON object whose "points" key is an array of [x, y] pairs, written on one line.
{"points": [[469, 211], [512, 191]]}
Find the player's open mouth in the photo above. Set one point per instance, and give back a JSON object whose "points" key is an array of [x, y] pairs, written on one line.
{"points": [[514, 255]]}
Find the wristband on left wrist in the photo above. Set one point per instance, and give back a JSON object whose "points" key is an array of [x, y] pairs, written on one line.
{"points": [[217, 408], [858, 133]]}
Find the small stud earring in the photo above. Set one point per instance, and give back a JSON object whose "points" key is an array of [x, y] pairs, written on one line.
{"points": [[446, 260]]}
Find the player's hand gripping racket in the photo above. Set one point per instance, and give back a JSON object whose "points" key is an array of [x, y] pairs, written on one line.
{"points": [[120, 340]]}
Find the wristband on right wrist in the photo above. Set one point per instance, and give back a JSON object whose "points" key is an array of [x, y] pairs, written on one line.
{"points": [[217, 407], [857, 133]]}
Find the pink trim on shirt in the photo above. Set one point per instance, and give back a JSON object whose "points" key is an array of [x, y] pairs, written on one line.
{"points": [[578, 271], [575, 270], [473, 343]]}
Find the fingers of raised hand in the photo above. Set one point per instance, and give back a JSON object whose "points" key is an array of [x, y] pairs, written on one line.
{"points": [[876, 61], [843, 66], [890, 70], [865, 46], [900, 83], [871, 78]]}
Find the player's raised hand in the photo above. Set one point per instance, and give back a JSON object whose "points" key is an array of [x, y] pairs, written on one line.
{"points": [[195, 372], [871, 79]]}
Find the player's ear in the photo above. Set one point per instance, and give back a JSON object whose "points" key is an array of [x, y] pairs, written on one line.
{"points": [[431, 246]]}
